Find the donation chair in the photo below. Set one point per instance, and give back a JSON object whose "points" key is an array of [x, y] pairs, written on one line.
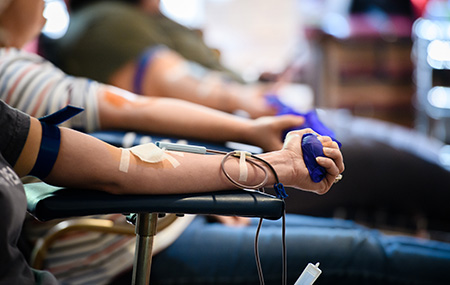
{"points": [[47, 202]]}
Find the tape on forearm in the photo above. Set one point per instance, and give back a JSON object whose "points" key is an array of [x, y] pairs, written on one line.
{"points": [[48, 151], [148, 153], [243, 169], [208, 83], [124, 160], [176, 72]]}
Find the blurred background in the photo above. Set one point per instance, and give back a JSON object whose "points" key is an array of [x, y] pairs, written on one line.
{"points": [[381, 59], [386, 63]]}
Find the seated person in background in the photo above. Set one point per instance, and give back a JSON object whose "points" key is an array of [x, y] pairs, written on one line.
{"points": [[158, 29], [132, 45], [38, 88]]}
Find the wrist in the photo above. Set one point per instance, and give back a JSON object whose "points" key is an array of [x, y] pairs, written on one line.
{"points": [[248, 132], [282, 167], [229, 99]]}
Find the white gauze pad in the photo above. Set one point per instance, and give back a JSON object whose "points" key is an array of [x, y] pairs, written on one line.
{"points": [[149, 153], [152, 154]]}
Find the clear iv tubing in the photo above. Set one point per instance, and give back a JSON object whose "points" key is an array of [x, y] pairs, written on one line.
{"points": [[259, 186]]}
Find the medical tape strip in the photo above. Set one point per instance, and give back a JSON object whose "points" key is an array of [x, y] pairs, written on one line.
{"points": [[51, 140], [243, 169], [124, 160], [207, 84], [149, 153], [176, 72]]}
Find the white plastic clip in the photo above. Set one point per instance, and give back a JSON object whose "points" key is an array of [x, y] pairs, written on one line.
{"points": [[309, 274], [181, 147]]}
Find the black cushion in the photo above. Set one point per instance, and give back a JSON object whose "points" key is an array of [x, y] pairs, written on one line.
{"points": [[47, 202]]}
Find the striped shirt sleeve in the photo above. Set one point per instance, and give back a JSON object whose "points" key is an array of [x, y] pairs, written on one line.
{"points": [[33, 85]]}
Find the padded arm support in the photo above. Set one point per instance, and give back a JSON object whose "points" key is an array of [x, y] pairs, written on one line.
{"points": [[47, 202]]}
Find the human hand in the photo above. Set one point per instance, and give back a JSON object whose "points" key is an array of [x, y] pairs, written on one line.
{"points": [[299, 175], [267, 132]]}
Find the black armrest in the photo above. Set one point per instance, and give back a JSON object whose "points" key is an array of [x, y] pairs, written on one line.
{"points": [[47, 202]]}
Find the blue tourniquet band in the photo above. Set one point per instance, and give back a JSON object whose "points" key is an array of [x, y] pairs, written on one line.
{"points": [[142, 65], [48, 152], [51, 139], [62, 115]]}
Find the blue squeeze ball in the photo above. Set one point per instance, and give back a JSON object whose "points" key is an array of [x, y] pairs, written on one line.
{"points": [[312, 148]]}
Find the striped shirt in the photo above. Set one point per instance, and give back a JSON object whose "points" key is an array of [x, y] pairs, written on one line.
{"points": [[35, 86]]}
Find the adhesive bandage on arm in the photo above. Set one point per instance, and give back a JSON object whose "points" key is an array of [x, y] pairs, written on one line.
{"points": [[124, 160], [208, 83], [176, 73], [243, 169], [148, 153]]}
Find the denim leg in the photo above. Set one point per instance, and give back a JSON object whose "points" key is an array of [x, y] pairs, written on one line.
{"points": [[210, 253]]}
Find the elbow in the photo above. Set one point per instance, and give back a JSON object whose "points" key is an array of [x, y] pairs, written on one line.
{"points": [[115, 187], [122, 185]]}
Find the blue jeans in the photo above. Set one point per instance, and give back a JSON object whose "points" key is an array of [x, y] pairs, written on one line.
{"points": [[211, 253]]}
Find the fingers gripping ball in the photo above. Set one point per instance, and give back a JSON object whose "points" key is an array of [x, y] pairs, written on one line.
{"points": [[312, 148]]}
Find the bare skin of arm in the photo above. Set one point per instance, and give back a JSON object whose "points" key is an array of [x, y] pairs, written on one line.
{"points": [[119, 109], [84, 161], [211, 90]]}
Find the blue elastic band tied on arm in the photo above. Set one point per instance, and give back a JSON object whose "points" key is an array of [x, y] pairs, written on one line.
{"points": [[141, 68], [51, 140]]}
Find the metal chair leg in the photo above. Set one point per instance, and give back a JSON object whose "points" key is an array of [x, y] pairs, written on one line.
{"points": [[145, 231]]}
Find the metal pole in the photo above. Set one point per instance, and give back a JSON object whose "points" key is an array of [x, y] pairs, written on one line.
{"points": [[145, 231]]}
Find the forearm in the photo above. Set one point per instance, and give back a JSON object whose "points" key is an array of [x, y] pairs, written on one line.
{"points": [[170, 117], [168, 75], [210, 90], [86, 162]]}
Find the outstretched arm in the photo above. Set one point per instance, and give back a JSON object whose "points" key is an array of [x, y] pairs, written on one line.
{"points": [[84, 161], [167, 74], [109, 107], [119, 109]]}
